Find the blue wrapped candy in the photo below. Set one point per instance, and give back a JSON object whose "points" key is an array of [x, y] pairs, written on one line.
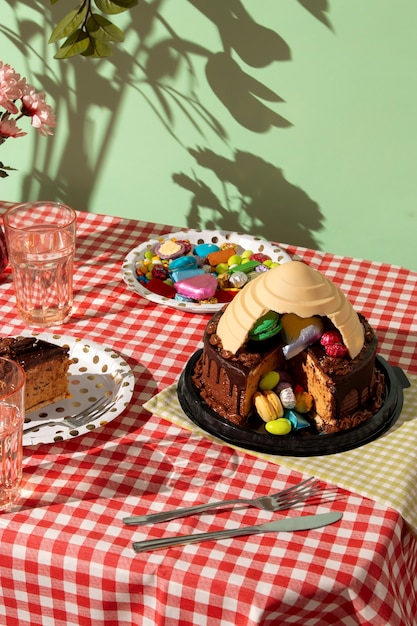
{"points": [[297, 420], [203, 249], [183, 263], [184, 274]]}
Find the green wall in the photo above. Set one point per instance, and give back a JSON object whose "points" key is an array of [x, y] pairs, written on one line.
{"points": [[291, 119]]}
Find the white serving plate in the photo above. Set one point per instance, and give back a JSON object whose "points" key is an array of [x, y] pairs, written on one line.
{"points": [[244, 242], [96, 372]]}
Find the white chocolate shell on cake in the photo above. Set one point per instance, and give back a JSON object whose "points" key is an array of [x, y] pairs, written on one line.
{"points": [[293, 287]]}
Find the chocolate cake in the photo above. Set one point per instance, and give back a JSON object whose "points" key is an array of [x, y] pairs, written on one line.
{"points": [[340, 379], [46, 367]]}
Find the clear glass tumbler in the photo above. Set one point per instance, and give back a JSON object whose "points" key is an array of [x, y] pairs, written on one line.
{"points": [[41, 244], [12, 416], [3, 252]]}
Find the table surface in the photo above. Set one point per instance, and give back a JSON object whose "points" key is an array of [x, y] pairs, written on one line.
{"points": [[66, 556]]}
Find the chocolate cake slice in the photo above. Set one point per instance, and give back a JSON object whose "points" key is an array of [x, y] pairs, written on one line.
{"points": [[46, 366]]}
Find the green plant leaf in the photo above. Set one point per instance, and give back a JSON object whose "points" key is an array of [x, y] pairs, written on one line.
{"points": [[77, 43], [111, 7], [98, 49], [102, 29], [68, 24]]}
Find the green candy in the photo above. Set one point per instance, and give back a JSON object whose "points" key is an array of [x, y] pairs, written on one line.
{"points": [[266, 326], [246, 254], [246, 267], [280, 426], [221, 268], [235, 259], [269, 381]]}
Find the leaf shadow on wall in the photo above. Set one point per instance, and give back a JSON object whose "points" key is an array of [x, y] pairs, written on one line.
{"points": [[153, 67], [256, 198], [258, 47]]}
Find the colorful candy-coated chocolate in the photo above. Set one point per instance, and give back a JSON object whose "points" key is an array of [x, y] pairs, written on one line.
{"points": [[280, 426], [269, 381], [221, 268], [235, 259], [198, 287]]}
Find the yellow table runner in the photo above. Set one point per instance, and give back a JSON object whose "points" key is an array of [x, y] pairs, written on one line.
{"points": [[384, 470]]}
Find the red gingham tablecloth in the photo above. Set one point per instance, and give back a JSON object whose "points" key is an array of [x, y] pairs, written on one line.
{"points": [[66, 556]]}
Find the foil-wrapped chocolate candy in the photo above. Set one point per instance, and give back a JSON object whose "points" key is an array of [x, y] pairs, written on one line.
{"points": [[238, 279]]}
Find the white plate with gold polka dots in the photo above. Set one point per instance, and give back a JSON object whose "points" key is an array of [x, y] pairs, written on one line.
{"points": [[135, 258], [98, 376]]}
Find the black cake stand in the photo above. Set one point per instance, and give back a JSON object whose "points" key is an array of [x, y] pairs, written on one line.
{"points": [[303, 442]]}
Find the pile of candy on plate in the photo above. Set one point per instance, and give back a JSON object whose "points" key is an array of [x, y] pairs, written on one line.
{"points": [[208, 273]]}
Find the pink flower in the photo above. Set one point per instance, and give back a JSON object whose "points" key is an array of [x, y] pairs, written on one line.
{"points": [[8, 128], [34, 106], [20, 99], [11, 87]]}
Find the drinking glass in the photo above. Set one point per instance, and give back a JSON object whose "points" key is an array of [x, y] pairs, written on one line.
{"points": [[12, 415], [41, 244], [3, 252]]}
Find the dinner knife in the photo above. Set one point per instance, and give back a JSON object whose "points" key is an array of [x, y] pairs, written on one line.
{"points": [[291, 524]]}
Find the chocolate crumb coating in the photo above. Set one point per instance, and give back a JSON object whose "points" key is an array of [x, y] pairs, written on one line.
{"points": [[346, 391]]}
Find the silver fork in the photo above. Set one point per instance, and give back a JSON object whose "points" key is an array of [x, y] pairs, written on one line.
{"points": [[89, 414], [275, 502]]}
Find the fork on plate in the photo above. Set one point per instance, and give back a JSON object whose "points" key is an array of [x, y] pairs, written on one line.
{"points": [[275, 502], [95, 410]]}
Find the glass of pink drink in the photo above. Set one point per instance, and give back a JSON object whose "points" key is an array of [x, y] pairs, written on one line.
{"points": [[12, 415], [41, 244]]}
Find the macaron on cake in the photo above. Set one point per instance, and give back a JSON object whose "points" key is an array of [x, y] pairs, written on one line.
{"points": [[290, 346], [292, 288]]}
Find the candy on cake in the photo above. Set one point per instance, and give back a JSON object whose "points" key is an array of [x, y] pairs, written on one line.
{"points": [[294, 321]]}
